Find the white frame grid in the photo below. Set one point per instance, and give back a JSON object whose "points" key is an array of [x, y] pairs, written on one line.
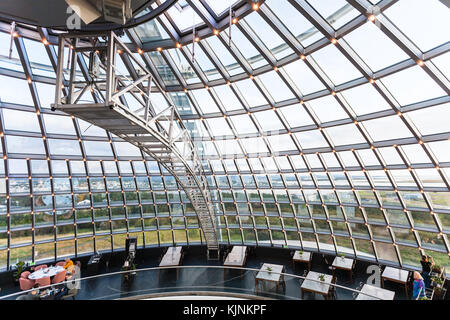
{"points": [[284, 208]]}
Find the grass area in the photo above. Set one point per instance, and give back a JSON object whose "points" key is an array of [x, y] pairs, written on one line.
{"points": [[412, 256], [86, 245]]}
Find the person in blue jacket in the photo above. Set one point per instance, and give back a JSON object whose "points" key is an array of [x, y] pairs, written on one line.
{"points": [[419, 286], [427, 263]]}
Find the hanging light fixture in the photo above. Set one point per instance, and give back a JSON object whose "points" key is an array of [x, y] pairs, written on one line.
{"points": [[69, 56], [193, 36], [231, 22], [13, 31]]}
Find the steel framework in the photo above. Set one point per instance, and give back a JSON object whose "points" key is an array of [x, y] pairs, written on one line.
{"points": [[161, 135], [296, 164]]}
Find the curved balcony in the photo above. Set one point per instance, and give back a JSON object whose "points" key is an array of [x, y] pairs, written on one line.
{"points": [[206, 281]]}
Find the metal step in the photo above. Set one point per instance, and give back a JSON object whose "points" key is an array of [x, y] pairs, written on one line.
{"points": [[146, 139], [213, 253]]}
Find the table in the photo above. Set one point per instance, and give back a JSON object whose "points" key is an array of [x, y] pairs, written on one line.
{"points": [[343, 264], [171, 258], [305, 257], [51, 271], [381, 293], [395, 275], [236, 258], [319, 287], [273, 276]]}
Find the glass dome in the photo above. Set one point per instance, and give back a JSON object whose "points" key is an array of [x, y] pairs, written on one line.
{"points": [[322, 124]]}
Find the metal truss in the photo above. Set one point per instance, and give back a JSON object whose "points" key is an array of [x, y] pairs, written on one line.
{"points": [[160, 135], [244, 207], [304, 54]]}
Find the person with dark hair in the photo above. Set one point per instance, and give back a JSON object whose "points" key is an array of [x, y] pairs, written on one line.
{"points": [[64, 289], [427, 263]]}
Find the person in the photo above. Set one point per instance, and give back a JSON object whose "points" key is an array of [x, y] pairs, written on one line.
{"points": [[32, 295], [427, 263], [63, 288], [69, 265], [419, 286]]}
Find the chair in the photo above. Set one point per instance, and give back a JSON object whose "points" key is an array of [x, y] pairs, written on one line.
{"points": [[70, 294], [353, 269], [327, 262], [429, 293], [161, 256], [60, 263], [409, 284], [381, 269], [43, 282], [42, 266], [25, 274], [59, 277], [225, 254], [77, 266], [300, 281], [182, 254], [26, 284], [358, 288], [332, 292]]}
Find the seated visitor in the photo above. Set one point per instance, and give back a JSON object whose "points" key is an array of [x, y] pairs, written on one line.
{"points": [[63, 287], [69, 265], [419, 286], [427, 263]]}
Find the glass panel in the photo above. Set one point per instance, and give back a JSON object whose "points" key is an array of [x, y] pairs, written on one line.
{"points": [[406, 91], [268, 36], [336, 12], [336, 66], [430, 20], [375, 47]]}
